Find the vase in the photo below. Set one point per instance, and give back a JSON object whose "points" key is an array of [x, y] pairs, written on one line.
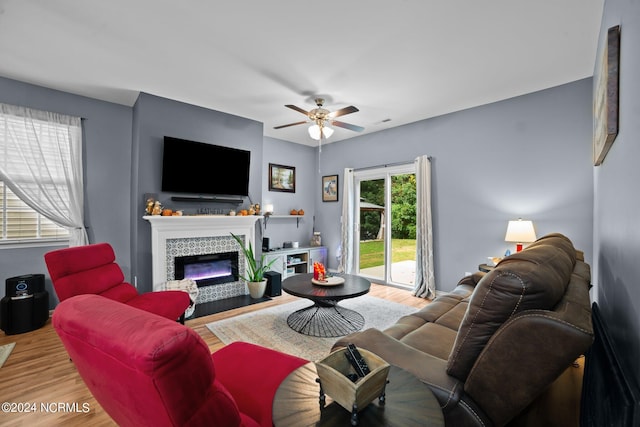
{"points": [[256, 289]]}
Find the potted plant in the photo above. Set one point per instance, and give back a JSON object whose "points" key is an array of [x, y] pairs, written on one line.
{"points": [[255, 270]]}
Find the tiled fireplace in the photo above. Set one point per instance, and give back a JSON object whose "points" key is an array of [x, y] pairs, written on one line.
{"points": [[184, 236]]}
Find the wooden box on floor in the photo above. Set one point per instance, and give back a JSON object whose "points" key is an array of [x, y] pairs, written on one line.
{"points": [[353, 396]]}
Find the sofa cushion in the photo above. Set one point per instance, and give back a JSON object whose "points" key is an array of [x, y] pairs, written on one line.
{"points": [[432, 339], [532, 279]]}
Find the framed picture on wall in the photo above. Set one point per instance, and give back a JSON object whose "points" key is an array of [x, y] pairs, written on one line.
{"points": [[605, 97], [282, 178], [330, 188]]}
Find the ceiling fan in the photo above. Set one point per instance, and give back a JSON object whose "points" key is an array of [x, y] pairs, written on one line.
{"points": [[320, 117]]}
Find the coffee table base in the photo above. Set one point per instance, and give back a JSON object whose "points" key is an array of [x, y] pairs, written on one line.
{"points": [[325, 319]]}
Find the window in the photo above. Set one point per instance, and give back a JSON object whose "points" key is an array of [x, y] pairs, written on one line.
{"points": [[41, 177], [386, 218], [18, 222]]}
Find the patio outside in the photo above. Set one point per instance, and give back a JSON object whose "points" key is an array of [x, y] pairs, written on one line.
{"points": [[403, 264]]}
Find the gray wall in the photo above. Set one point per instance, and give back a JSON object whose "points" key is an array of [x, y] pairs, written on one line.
{"points": [[155, 117], [526, 157], [486, 170], [107, 153], [279, 230], [616, 230]]}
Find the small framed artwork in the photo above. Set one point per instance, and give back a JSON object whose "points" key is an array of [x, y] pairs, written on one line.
{"points": [[282, 178], [605, 97], [330, 188]]}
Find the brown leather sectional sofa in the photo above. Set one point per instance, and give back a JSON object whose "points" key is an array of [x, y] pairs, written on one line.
{"points": [[498, 340]]}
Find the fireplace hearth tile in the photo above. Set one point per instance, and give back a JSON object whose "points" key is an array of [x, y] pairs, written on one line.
{"points": [[218, 306]]}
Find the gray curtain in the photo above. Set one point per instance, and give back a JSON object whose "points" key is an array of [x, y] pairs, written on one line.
{"points": [[425, 286], [345, 251]]}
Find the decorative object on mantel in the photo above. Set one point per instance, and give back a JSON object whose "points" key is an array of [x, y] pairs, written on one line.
{"points": [[149, 206], [605, 97], [157, 208], [255, 270]]}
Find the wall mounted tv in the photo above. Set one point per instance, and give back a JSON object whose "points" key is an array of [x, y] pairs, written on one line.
{"points": [[199, 168]]}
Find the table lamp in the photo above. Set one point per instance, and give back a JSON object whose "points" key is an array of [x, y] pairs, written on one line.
{"points": [[520, 232]]}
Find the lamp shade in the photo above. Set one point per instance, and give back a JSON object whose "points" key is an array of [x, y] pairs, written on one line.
{"points": [[315, 131], [520, 231]]}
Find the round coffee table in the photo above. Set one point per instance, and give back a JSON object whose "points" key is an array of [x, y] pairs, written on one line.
{"points": [[325, 318], [408, 402]]}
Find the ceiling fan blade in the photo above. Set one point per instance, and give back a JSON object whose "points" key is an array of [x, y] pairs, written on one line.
{"points": [[346, 110], [349, 126], [290, 124], [300, 110]]}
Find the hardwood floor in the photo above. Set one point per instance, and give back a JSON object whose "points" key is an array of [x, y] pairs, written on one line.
{"points": [[39, 375]]}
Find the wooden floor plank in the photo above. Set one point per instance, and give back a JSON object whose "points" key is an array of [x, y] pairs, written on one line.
{"points": [[39, 371]]}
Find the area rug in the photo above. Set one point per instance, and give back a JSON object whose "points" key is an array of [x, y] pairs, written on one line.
{"points": [[269, 327], [5, 351]]}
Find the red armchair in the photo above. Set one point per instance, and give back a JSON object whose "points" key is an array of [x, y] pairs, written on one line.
{"points": [[145, 370], [91, 269]]}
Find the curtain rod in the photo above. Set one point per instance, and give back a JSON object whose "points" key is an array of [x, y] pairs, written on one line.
{"points": [[386, 165]]}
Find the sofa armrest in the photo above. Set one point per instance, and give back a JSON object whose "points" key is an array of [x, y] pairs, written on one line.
{"points": [[523, 358], [429, 369]]}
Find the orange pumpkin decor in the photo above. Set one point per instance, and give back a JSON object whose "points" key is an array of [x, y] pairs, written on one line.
{"points": [[293, 212], [167, 212], [300, 212]]}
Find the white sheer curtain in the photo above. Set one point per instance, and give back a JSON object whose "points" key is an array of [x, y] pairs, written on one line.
{"points": [[425, 286], [345, 252], [41, 162]]}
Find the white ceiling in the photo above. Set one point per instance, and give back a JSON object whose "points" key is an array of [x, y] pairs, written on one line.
{"points": [[397, 61]]}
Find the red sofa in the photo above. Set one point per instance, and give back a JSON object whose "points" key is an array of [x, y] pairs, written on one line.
{"points": [[146, 370], [91, 269]]}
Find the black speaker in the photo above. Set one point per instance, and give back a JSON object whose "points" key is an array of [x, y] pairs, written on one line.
{"points": [[25, 306], [274, 283], [22, 286]]}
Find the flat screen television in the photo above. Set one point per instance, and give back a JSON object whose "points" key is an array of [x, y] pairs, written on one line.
{"points": [[200, 168]]}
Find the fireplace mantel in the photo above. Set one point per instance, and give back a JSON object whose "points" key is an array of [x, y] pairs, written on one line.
{"points": [[184, 227], [198, 222]]}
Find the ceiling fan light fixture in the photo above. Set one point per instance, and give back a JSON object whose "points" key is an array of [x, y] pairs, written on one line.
{"points": [[320, 117], [314, 132]]}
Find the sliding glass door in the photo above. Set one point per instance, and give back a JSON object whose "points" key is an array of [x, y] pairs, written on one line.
{"points": [[386, 224]]}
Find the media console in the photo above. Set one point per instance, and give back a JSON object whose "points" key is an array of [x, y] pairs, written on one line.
{"points": [[291, 261]]}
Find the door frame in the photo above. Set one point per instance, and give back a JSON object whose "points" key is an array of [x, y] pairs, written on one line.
{"points": [[368, 174]]}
